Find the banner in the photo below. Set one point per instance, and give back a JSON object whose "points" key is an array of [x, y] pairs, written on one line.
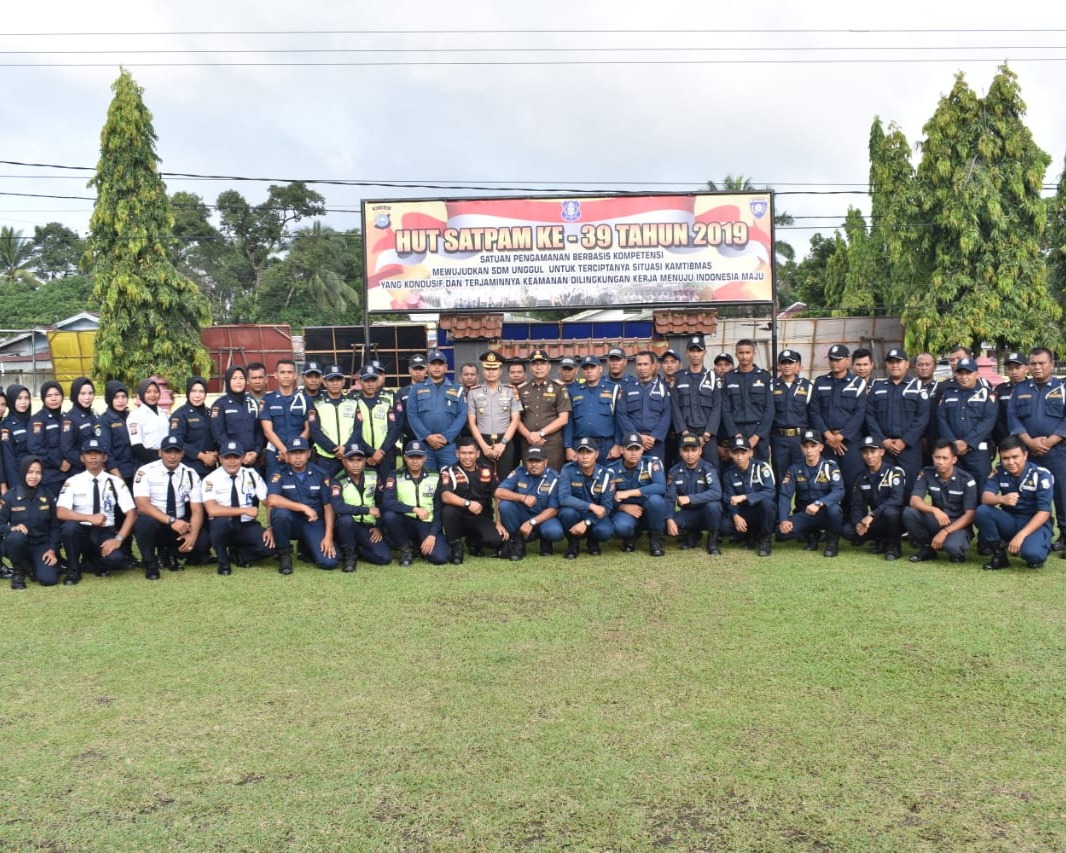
{"points": [[573, 252]]}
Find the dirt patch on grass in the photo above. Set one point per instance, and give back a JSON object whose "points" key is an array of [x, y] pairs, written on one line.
{"points": [[697, 825], [494, 607]]}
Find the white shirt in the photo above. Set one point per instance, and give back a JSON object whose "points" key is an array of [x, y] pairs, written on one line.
{"points": [[216, 486], [77, 495], [151, 481], [148, 428]]}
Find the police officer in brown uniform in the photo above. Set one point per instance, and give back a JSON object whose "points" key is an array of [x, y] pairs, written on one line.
{"points": [[493, 413], [545, 410]]}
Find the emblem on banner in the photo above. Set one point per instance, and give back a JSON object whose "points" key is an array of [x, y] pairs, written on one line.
{"points": [[571, 211], [758, 207], [382, 220]]}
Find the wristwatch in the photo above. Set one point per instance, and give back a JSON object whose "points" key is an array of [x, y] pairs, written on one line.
{"points": [[542, 435], [466, 504], [533, 522], [170, 520]]}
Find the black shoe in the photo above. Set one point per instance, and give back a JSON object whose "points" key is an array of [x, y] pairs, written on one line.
{"points": [[349, 556], [877, 547], [832, 547], [684, 541], [547, 549], [1059, 544], [1039, 565], [999, 559], [225, 570], [72, 579], [984, 549], [476, 550], [18, 580], [516, 549], [455, 553], [892, 553], [812, 542], [957, 558], [573, 548], [285, 562], [923, 556], [629, 545], [655, 545], [151, 572], [406, 556], [714, 549], [594, 548], [765, 547], [6, 572]]}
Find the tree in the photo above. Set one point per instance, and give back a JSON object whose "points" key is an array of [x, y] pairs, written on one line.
{"points": [[1055, 244], [16, 259], [981, 274], [150, 314], [894, 224], [57, 251]]}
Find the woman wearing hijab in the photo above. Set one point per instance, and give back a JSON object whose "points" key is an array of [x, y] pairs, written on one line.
{"points": [[15, 431], [191, 422], [235, 417], [80, 423], [44, 440], [114, 433], [29, 527], [148, 424]]}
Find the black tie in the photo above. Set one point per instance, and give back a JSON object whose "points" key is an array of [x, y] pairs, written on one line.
{"points": [[96, 496], [172, 497], [234, 498]]}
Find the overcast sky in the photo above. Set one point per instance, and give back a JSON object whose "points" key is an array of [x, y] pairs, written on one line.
{"points": [[593, 96]]}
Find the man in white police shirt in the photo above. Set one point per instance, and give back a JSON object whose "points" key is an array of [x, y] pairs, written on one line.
{"points": [[170, 511], [232, 494], [86, 507]]}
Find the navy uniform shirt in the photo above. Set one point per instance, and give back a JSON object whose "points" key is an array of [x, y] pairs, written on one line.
{"points": [[757, 483], [697, 402], [578, 491], [699, 483], [809, 484], [875, 490], [839, 405], [236, 419], [747, 405], [897, 410], [1038, 410], [955, 495], [790, 403], [45, 428], [545, 487], [79, 424], [37, 512], [14, 437], [647, 475], [312, 488], [1034, 485], [644, 407], [287, 414], [436, 408], [968, 416], [192, 424], [593, 413]]}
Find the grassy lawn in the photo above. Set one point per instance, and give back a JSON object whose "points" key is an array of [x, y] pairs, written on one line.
{"points": [[614, 703]]}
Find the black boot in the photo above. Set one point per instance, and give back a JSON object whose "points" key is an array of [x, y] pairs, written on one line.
{"points": [[832, 547], [285, 561], [573, 548], [812, 542], [407, 555], [151, 570], [999, 558], [73, 578], [6, 571], [547, 549], [455, 552], [713, 546], [629, 545], [655, 544], [18, 578], [765, 547], [516, 549], [348, 553], [923, 555], [892, 550]]}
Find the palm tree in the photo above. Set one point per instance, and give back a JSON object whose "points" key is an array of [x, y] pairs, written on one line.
{"points": [[738, 183], [16, 256]]}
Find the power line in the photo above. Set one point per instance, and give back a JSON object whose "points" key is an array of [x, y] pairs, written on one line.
{"points": [[574, 31]]}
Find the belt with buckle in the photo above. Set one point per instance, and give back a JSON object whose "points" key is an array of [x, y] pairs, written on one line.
{"points": [[788, 432]]}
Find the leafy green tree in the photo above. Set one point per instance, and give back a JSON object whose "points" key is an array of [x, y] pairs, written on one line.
{"points": [[810, 277], [49, 303], [1055, 242], [858, 260], [981, 274], [16, 259], [57, 251], [894, 223], [150, 314]]}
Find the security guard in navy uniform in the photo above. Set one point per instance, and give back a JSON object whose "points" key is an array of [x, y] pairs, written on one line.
{"points": [[1037, 415], [817, 486], [29, 528], [593, 408], [528, 502], [298, 496], [750, 496], [416, 369], [377, 424], [493, 415], [966, 417], [791, 395], [436, 412], [466, 492], [586, 500], [1017, 367], [747, 404], [80, 423], [644, 407], [877, 502], [897, 415], [696, 401], [838, 415], [694, 497], [354, 497], [411, 508], [945, 523]]}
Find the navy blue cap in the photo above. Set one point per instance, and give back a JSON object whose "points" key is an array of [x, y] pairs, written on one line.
{"points": [[312, 367], [810, 435], [172, 442], [689, 440], [696, 342], [231, 448], [415, 448], [568, 361], [1015, 358], [966, 364], [436, 355], [632, 440], [333, 372], [92, 444], [369, 372], [298, 443], [535, 453], [591, 361], [356, 448], [417, 361], [839, 351], [739, 443], [587, 443], [870, 441], [896, 354]]}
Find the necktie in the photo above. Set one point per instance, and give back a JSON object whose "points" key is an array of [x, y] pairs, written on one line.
{"points": [[96, 496], [172, 497], [234, 498]]}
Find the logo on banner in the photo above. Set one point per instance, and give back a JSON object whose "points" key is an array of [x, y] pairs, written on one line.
{"points": [[571, 211], [758, 207], [382, 220]]}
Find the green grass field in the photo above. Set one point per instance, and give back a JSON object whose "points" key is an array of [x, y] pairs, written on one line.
{"points": [[619, 703]]}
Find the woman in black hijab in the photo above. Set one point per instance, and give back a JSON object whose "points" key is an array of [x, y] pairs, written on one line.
{"points": [[235, 417], [15, 431], [29, 527]]}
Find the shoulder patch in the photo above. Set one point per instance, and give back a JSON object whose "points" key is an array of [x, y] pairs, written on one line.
{"points": [[275, 477]]}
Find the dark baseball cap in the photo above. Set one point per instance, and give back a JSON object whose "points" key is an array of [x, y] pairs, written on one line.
{"points": [[92, 445], [587, 443], [172, 442], [724, 356], [312, 367], [231, 448], [617, 352], [788, 355], [356, 448], [1015, 358], [368, 371], [333, 372], [298, 443], [569, 362], [739, 443], [416, 361], [696, 342], [415, 448], [535, 453], [870, 442], [837, 351], [966, 365], [896, 354], [591, 361], [632, 440], [435, 355], [809, 435], [689, 440]]}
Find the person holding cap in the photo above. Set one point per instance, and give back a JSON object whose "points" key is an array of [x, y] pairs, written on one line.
{"points": [[838, 414], [586, 500], [232, 494], [436, 412], [86, 509], [298, 497], [592, 413], [877, 502], [696, 401], [354, 499], [1016, 367], [946, 521], [966, 417], [897, 415], [545, 410], [694, 497], [376, 424], [411, 508], [332, 421], [750, 497], [639, 484], [791, 395], [493, 415], [283, 415], [170, 511], [312, 388], [817, 487], [466, 491], [747, 404], [528, 501]]}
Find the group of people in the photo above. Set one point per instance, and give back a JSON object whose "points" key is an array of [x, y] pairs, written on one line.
{"points": [[441, 468]]}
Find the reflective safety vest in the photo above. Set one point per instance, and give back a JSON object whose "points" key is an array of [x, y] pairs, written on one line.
{"points": [[418, 494], [374, 421], [336, 420], [353, 495]]}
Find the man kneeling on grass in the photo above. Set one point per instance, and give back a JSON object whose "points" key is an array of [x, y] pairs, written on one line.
{"points": [[750, 497], [818, 488], [299, 500], [694, 497], [1016, 507], [877, 502], [529, 503], [411, 508], [586, 500], [943, 524]]}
